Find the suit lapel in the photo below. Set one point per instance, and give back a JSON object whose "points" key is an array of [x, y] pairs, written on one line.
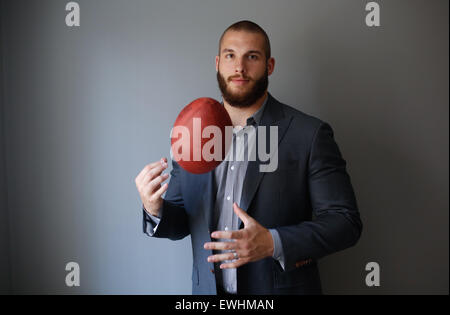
{"points": [[273, 116]]}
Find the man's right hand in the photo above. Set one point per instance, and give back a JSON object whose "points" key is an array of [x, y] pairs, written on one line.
{"points": [[148, 183]]}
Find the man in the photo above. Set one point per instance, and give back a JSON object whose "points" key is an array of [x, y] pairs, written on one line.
{"points": [[254, 232]]}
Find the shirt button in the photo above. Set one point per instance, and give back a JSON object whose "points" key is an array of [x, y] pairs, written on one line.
{"points": [[232, 168], [226, 228], [228, 197]]}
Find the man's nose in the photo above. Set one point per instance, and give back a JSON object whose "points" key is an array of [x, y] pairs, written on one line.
{"points": [[240, 66]]}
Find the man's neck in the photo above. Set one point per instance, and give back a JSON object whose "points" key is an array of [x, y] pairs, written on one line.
{"points": [[239, 115]]}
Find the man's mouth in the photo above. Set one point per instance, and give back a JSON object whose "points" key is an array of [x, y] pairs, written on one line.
{"points": [[240, 81]]}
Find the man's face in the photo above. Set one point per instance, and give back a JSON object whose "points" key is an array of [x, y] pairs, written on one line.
{"points": [[242, 68]]}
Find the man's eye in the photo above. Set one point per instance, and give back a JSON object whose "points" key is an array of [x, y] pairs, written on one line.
{"points": [[228, 55], [253, 57]]}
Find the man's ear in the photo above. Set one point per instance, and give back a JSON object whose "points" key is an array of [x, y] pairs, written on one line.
{"points": [[270, 65], [217, 63]]}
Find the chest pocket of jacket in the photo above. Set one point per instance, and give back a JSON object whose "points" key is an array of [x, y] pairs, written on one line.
{"points": [[288, 163], [288, 156]]}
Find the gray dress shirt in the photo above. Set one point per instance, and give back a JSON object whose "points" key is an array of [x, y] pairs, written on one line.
{"points": [[229, 180]]}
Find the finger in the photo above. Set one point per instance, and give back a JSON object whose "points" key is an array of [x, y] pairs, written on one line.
{"points": [[160, 191], [220, 245], [241, 214], [149, 167], [227, 234], [157, 169], [156, 182], [221, 257], [154, 172], [234, 264], [159, 162]]}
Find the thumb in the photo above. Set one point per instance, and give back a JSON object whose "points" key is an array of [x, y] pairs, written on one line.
{"points": [[241, 214]]}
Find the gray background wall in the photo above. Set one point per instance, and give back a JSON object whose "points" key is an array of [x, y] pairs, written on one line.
{"points": [[85, 109], [5, 284]]}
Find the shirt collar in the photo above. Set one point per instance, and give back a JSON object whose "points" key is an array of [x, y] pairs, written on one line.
{"points": [[255, 119]]}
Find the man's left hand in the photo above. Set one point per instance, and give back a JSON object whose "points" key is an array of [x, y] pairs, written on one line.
{"points": [[252, 243]]}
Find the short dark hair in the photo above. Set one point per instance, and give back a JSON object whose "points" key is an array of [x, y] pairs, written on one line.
{"points": [[252, 27]]}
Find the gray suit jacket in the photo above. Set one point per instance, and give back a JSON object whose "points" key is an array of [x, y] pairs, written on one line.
{"points": [[309, 200]]}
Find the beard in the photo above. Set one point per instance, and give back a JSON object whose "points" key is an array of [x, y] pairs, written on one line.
{"points": [[247, 97]]}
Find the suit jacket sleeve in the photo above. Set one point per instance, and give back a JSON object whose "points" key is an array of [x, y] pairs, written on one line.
{"points": [[174, 223], [336, 224]]}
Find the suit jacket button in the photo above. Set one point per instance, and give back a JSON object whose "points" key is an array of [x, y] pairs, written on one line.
{"points": [[212, 270]]}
